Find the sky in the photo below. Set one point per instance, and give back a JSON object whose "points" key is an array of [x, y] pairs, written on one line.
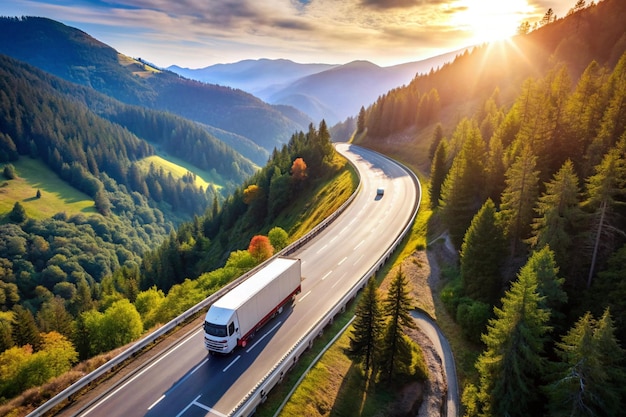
{"points": [[200, 33]]}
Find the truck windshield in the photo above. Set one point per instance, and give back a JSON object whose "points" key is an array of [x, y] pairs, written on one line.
{"points": [[218, 330]]}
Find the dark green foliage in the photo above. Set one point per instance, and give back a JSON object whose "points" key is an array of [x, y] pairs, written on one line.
{"points": [[558, 214], [438, 171], [519, 197], [463, 191], [18, 213], [609, 290], [367, 327], [396, 352], [482, 256], [590, 379], [512, 363], [605, 188], [473, 317], [25, 331]]}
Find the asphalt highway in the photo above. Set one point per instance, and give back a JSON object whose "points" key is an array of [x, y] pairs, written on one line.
{"points": [[186, 381]]}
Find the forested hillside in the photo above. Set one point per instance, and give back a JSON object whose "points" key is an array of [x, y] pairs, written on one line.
{"points": [[77, 57], [528, 178], [74, 287]]}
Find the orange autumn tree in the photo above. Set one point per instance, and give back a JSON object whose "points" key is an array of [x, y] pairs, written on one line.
{"points": [[260, 248], [298, 169]]}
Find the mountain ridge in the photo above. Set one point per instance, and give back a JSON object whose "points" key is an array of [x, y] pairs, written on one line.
{"points": [[77, 57], [312, 88]]}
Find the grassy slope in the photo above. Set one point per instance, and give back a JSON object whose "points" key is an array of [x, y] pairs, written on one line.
{"points": [[56, 195], [179, 168]]}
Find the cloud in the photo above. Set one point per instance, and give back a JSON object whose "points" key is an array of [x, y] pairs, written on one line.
{"points": [[399, 4]]}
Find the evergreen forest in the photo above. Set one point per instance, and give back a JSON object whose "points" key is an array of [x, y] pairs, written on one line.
{"points": [[527, 161]]}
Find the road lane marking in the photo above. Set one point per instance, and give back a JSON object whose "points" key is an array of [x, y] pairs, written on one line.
{"points": [[323, 247], [230, 364], [360, 243], [343, 260], [146, 369], [156, 402], [304, 296], [204, 407], [264, 336], [188, 375], [327, 274], [337, 280], [358, 260]]}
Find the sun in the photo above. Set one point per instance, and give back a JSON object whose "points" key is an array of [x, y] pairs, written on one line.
{"points": [[492, 20]]}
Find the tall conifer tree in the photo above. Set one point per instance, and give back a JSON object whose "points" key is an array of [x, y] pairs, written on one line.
{"points": [[367, 327], [510, 366]]}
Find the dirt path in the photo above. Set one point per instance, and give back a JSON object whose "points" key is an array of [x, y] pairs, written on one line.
{"points": [[441, 393]]}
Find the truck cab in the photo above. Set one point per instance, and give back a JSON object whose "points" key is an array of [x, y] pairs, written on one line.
{"points": [[221, 330]]}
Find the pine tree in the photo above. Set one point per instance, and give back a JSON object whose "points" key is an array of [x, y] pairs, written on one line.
{"points": [[25, 331], [367, 327], [513, 361], [438, 172], [396, 352], [558, 214], [360, 122], [463, 190], [436, 140], [591, 376], [519, 198], [482, 255], [603, 188], [18, 213]]}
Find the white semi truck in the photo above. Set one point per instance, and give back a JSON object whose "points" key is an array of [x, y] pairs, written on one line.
{"points": [[236, 316]]}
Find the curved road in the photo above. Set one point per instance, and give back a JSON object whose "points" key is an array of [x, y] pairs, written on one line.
{"points": [[434, 333], [186, 381]]}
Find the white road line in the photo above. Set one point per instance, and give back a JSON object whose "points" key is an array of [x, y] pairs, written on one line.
{"points": [[156, 402], [204, 407], [187, 408], [323, 247], [231, 364], [360, 243], [304, 296], [140, 373], [358, 260], [337, 280], [327, 274], [188, 375], [264, 336], [342, 261]]}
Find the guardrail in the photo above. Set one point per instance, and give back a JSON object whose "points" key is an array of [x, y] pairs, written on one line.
{"points": [[82, 383], [248, 405]]}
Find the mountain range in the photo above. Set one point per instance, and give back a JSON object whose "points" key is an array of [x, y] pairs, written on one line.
{"points": [[322, 91], [249, 125]]}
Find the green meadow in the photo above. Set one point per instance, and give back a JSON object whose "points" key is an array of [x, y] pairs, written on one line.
{"points": [[56, 195]]}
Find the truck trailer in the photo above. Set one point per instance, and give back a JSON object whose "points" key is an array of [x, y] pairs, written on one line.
{"points": [[237, 315]]}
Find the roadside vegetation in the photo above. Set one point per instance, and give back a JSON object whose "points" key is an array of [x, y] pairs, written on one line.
{"points": [[92, 317]]}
